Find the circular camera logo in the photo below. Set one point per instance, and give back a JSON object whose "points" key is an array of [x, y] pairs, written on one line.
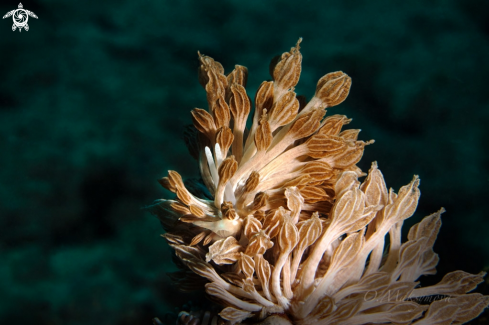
{"points": [[20, 17]]}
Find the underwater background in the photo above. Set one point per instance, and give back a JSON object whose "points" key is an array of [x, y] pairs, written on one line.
{"points": [[94, 99]]}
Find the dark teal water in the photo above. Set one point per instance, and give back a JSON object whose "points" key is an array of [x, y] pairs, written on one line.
{"points": [[94, 98]]}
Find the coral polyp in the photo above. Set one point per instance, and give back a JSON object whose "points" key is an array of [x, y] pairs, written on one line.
{"points": [[287, 233]]}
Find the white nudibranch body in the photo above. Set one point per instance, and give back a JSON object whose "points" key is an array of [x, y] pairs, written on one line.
{"points": [[222, 228]]}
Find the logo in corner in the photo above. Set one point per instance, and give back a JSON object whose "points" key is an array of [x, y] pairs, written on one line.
{"points": [[20, 17]]}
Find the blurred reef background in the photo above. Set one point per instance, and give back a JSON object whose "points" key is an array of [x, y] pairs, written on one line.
{"points": [[95, 96]]}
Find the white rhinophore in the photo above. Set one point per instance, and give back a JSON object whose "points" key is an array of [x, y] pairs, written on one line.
{"points": [[212, 166], [219, 155]]}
